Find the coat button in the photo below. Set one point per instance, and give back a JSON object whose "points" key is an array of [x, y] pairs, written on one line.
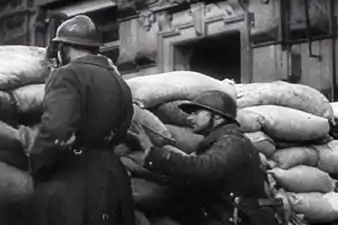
{"points": [[105, 217]]}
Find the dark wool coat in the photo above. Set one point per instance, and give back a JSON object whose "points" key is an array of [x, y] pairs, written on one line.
{"points": [[226, 165], [85, 98]]}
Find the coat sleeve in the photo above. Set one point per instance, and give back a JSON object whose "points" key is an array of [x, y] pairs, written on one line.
{"points": [[62, 104], [219, 162]]}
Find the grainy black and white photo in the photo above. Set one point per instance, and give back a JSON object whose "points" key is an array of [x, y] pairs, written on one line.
{"points": [[168, 112]]}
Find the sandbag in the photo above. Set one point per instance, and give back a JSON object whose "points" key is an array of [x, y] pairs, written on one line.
{"points": [[185, 139], [22, 65], [288, 124], [15, 184], [29, 98], [321, 141], [9, 137], [155, 129], [296, 96], [304, 179], [328, 157], [249, 121], [170, 113], [262, 142], [156, 89], [291, 157], [316, 207], [334, 106], [7, 109]]}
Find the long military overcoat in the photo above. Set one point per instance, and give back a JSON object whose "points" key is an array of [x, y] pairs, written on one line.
{"points": [[88, 100]]}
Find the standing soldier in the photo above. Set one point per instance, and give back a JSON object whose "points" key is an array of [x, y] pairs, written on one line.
{"points": [[87, 111]]}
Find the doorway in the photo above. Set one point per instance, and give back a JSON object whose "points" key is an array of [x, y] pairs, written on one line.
{"points": [[217, 56]]}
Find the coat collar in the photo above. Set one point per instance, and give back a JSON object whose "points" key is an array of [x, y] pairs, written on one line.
{"points": [[98, 60], [216, 134]]}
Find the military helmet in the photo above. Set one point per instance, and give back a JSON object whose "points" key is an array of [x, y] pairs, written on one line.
{"points": [[217, 102], [79, 30]]}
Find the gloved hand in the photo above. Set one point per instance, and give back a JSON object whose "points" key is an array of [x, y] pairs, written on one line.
{"points": [[142, 137]]}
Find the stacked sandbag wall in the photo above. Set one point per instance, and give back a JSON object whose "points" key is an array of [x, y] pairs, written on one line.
{"points": [[23, 70], [290, 124]]}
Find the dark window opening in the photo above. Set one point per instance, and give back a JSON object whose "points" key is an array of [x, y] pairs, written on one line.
{"points": [[107, 24], [112, 54], [218, 57]]}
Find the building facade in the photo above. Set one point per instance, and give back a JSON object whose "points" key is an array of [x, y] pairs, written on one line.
{"points": [[244, 40]]}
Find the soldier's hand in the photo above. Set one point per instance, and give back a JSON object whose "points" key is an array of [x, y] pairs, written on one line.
{"points": [[142, 137], [173, 149]]}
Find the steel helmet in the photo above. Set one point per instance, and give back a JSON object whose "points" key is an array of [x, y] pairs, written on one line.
{"points": [[215, 101], [79, 30]]}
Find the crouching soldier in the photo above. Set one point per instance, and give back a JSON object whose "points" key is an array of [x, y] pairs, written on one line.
{"points": [[222, 183]]}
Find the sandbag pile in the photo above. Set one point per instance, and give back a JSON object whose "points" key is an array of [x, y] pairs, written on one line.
{"points": [[290, 125], [23, 70]]}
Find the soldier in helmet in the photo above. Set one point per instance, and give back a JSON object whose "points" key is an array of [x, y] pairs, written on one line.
{"points": [[87, 111], [222, 182]]}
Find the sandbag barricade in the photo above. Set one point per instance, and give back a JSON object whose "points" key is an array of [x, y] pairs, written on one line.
{"points": [[289, 124], [22, 65], [290, 157], [154, 90], [301, 153], [262, 142], [296, 96], [301, 179], [316, 207], [29, 98]]}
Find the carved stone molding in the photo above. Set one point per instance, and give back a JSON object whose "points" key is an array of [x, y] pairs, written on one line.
{"points": [[212, 19], [137, 46], [164, 21], [198, 13], [147, 19]]}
